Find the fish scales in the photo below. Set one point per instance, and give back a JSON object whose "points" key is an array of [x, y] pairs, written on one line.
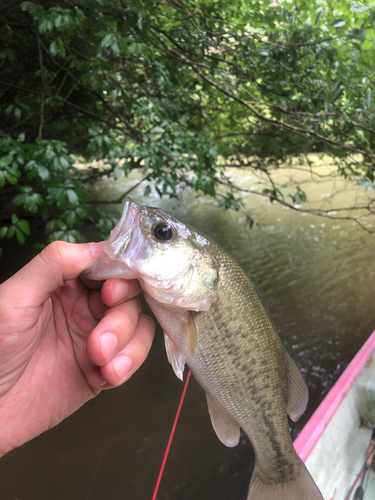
{"points": [[239, 370], [215, 321]]}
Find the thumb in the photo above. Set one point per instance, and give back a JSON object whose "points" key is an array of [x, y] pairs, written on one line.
{"points": [[48, 271]]}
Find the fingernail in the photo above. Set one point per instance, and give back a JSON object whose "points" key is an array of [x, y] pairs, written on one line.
{"points": [[120, 291], [103, 383], [108, 344], [122, 366]]}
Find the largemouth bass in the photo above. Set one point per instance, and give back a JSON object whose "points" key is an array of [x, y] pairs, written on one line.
{"points": [[214, 321]]}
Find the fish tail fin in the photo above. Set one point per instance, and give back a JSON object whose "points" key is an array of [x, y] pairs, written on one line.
{"points": [[301, 488]]}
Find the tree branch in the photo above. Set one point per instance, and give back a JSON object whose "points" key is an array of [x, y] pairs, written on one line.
{"points": [[297, 130], [124, 195]]}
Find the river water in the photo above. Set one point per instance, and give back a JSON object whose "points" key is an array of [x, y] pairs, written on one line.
{"points": [[317, 277]]}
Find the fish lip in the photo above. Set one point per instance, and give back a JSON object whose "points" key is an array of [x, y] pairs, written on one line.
{"points": [[124, 215], [121, 235], [116, 245]]}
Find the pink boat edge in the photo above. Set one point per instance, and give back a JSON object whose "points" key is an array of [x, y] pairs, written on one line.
{"points": [[334, 442]]}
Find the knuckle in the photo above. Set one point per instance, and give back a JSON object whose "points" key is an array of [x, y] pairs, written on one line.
{"points": [[133, 307], [127, 324], [148, 323], [146, 334], [52, 253], [142, 348]]}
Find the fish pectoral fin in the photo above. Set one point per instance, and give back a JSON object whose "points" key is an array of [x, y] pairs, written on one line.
{"points": [[226, 429], [297, 391], [174, 357], [191, 332]]}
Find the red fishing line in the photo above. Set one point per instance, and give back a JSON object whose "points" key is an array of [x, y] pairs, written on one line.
{"points": [[171, 436]]}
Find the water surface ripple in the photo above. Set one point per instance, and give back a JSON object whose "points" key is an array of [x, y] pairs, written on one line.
{"points": [[317, 277]]}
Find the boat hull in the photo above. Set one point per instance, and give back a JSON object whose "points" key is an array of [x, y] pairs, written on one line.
{"points": [[334, 442]]}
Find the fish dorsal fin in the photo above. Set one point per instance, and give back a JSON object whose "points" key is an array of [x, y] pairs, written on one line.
{"points": [[191, 332], [297, 391], [227, 431], [174, 357]]}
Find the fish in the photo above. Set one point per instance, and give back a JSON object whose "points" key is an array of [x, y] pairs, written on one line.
{"points": [[215, 321]]}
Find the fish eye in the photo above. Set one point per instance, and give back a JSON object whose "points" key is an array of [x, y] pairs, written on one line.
{"points": [[163, 231]]}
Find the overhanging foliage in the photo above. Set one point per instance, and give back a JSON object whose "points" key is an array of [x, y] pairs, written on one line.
{"points": [[171, 86]]}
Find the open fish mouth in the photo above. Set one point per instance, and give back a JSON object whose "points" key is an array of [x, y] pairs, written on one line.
{"points": [[110, 264]]}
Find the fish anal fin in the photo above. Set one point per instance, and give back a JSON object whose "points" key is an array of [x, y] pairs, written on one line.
{"points": [[191, 332], [297, 391], [174, 357], [226, 429]]}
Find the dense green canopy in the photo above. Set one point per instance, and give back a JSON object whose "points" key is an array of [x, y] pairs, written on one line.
{"points": [[171, 87]]}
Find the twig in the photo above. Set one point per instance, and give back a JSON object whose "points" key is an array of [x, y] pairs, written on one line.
{"points": [[319, 212], [123, 196]]}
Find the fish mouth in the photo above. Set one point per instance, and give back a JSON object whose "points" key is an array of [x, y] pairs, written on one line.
{"points": [[111, 263]]}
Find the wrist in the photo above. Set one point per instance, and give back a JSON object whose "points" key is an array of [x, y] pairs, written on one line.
{"points": [[14, 424]]}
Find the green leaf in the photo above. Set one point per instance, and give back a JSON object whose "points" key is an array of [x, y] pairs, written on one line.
{"points": [[135, 48], [30, 202], [17, 112], [339, 23], [81, 212], [362, 36], [3, 231], [299, 196], [30, 7], [320, 12], [58, 196], [24, 226], [208, 186], [20, 236], [10, 233], [45, 25], [65, 162], [61, 199], [12, 175], [45, 212], [339, 91], [72, 197], [368, 98], [147, 191], [5, 160], [43, 172], [59, 21], [359, 8], [57, 48], [71, 218], [229, 201], [19, 199], [110, 41], [80, 15], [117, 171]]}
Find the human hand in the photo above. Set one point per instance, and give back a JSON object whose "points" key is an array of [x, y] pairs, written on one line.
{"points": [[63, 340]]}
